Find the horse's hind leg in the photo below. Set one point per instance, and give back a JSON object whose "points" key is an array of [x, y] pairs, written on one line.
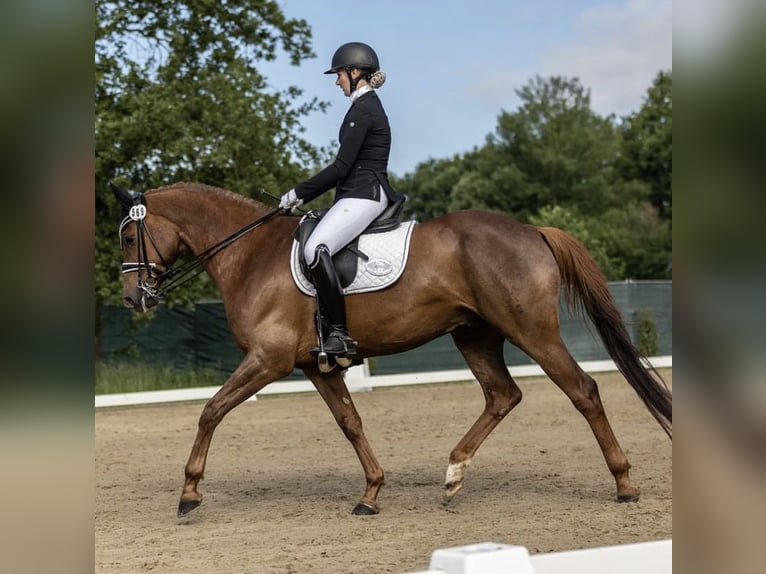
{"points": [[482, 348], [334, 391], [551, 354]]}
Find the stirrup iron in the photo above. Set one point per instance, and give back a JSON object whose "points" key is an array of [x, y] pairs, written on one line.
{"points": [[323, 360]]}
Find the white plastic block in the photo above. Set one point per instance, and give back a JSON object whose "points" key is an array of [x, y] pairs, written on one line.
{"points": [[484, 558], [655, 557]]}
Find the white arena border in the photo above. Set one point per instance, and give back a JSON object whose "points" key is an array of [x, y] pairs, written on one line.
{"points": [[357, 378], [490, 558]]}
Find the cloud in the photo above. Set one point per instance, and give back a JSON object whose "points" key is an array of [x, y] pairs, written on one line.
{"points": [[616, 51]]}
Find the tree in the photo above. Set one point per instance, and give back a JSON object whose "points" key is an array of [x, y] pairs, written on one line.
{"points": [[562, 151], [640, 238], [428, 189], [179, 97], [553, 150], [647, 143]]}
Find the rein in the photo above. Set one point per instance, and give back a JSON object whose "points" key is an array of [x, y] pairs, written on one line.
{"points": [[176, 276]]}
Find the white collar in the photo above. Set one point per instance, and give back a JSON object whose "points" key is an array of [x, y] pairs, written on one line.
{"points": [[358, 93]]}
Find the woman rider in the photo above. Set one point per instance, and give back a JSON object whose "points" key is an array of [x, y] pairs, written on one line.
{"points": [[359, 176]]}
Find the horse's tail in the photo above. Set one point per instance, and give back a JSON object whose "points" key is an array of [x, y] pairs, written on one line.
{"points": [[586, 288]]}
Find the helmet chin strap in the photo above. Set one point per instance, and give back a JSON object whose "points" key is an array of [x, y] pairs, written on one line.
{"points": [[351, 80]]}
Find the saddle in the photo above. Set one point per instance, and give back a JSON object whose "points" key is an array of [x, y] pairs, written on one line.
{"points": [[346, 261]]}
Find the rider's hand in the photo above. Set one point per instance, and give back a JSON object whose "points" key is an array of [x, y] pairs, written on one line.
{"points": [[290, 201]]}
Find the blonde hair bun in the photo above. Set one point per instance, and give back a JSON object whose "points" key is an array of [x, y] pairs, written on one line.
{"points": [[377, 79]]}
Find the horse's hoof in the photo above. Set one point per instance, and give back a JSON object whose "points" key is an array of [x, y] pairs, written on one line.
{"points": [[363, 509], [186, 506], [628, 497], [451, 489]]}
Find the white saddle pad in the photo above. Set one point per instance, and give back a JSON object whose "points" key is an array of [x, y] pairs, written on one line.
{"points": [[387, 255]]}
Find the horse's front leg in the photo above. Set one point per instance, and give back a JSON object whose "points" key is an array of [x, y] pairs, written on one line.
{"points": [[334, 391], [249, 378]]}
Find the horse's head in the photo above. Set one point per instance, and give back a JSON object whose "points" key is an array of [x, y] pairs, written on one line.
{"points": [[150, 243]]}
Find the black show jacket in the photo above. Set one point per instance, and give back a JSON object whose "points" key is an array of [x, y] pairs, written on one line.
{"points": [[361, 167]]}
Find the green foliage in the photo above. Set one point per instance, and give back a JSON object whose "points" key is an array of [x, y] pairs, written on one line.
{"points": [[647, 148], [428, 189], [647, 337], [637, 236], [179, 97], [562, 151], [138, 377]]}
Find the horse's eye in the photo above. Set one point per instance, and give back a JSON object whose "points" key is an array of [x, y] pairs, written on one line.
{"points": [[129, 240]]}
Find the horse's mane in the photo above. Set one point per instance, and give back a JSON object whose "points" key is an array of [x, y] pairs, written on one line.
{"points": [[210, 189]]}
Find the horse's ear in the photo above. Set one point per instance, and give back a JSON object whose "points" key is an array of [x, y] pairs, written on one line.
{"points": [[124, 196]]}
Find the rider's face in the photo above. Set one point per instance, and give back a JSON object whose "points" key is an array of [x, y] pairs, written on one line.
{"points": [[343, 80]]}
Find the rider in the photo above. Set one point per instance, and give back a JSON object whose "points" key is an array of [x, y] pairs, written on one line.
{"points": [[359, 176]]}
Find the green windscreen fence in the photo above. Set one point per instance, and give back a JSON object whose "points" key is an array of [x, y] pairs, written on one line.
{"points": [[199, 338]]}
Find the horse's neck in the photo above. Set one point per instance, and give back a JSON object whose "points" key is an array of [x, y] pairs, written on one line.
{"points": [[204, 219]]}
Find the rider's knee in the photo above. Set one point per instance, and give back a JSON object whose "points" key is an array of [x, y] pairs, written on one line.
{"points": [[312, 252]]}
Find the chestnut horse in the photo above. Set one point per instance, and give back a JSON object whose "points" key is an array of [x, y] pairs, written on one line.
{"points": [[482, 277]]}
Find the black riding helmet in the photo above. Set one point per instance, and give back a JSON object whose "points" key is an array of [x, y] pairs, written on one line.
{"points": [[355, 55]]}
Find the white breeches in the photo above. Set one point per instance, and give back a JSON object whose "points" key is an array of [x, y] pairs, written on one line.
{"points": [[344, 222]]}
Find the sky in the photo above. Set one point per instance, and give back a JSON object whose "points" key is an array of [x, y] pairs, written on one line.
{"points": [[453, 66]]}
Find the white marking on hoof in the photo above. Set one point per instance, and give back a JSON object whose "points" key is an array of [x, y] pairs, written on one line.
{"points": [[455, 471], [453, 481]]}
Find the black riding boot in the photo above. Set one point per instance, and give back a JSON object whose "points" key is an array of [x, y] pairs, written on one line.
{"points": [[328, 288]]}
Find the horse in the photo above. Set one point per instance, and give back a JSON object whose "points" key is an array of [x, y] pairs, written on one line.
{"points": [[480, 276]]}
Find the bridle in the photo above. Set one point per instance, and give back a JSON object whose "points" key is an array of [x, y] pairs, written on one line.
{"points": [[150, 274], [148, 282]]}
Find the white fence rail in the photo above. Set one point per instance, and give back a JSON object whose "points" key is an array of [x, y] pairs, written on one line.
{"points": [[357, 378], [491, 558]]}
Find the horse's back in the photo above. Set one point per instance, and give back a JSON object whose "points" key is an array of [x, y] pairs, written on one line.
{"points": [[485, 235]]}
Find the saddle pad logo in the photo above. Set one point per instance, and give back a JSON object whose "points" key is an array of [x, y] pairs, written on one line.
{"points": [[379, 267]]}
